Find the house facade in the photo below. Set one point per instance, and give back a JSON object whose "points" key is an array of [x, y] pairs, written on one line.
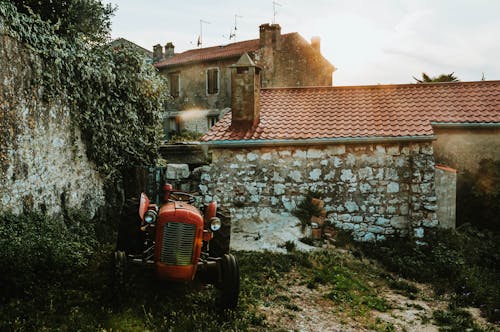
{"points": [[369, 151], [200, 79]]}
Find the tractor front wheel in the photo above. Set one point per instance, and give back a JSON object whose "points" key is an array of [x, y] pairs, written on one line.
{"points": [[230, 282]]}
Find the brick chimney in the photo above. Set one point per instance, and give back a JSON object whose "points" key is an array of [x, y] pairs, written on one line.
{"points": [[157, 53], [245, 94], [316, 43], [270, 36], [169, 50]]}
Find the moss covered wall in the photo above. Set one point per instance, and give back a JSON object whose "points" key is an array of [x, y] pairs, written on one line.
{"points": [[43, 161]]}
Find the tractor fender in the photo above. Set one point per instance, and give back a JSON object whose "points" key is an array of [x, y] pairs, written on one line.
{"points": [[210, 211]]}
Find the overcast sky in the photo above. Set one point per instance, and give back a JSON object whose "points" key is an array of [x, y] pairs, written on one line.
{"points": [[370, 42]]}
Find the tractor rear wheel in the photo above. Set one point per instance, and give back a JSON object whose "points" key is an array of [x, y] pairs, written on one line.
{"points": [[130, 238], [230, 282], [219, 245]]}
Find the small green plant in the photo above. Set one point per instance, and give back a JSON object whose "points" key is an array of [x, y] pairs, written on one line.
{"points": [[455, 320], [289, 246], [403, 287], [306, 209]]}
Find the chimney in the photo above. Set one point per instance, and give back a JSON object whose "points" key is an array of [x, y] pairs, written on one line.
{"points": [[157, 53], [169, 50], [316, 43], [270, 36], [245, 94]]}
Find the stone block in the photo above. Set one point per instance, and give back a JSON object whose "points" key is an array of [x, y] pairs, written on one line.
{"points": [[300, 154], [365, 188], [345, 217], [357, 219], [430, 207], [337, 162], [314, 153], [295, 176], [365, 173], [399, 222], [376, 229], [337, 150], [404, 209], [315, 174], [177, 171], [351, 206], [418, 233], [383, 222], [279, 189], [368, 237], [393, 187], [430, 222], [393, 150], [347, 176]]}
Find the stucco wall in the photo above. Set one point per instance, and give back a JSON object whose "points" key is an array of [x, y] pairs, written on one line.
{"points": [[42, 158], [374, 190], [463, 148]]}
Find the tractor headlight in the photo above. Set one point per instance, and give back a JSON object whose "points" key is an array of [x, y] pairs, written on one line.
{"points": [[215, 224], [150, 216]]}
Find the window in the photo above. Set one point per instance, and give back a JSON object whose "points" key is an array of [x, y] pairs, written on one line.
{"points": [[212, 120], [212, 81], [175, 84]]}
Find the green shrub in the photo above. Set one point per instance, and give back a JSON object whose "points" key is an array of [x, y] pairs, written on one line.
{"points": [[35, 249], [478, 196]]}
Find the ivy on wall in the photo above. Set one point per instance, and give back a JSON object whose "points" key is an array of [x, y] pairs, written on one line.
{"points": [[115, 98]]}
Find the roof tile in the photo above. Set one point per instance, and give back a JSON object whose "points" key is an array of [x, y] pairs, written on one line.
{"points": [[365, 111]]}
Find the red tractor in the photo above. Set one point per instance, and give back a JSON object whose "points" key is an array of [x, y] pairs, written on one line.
{"points": [[179, 242]]}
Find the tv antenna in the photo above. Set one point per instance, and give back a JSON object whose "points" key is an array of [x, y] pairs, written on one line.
{"points": [[233, 32], [275, 10], [200, 37]]}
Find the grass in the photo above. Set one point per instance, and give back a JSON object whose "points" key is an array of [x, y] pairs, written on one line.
{"points": [[91, 300], [464, 263]]}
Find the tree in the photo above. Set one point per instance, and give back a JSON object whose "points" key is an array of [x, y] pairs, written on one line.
{"points": [[90, 18], [441, 78]]}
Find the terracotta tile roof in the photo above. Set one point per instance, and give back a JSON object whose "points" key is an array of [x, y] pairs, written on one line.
{"points": [[365, 111], [211, 53]]}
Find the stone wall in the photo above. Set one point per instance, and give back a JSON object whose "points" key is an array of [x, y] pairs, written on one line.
{"points": [[42, 158], [373, 190]]}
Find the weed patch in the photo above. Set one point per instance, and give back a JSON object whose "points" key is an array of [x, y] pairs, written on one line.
{"points": [[464, 262]]}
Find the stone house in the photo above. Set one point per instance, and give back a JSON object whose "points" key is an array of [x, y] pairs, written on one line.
{"points": [[370, 150], [200, 79]]}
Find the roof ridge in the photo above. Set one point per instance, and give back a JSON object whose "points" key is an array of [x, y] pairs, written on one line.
{"points": [[381, 86]]}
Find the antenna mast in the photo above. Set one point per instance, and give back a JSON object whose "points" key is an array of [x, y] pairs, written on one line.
{"points": [[200, 37], [233, 33], [275, 10]]}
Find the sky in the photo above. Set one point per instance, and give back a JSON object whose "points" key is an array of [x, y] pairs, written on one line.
{"points": [[368, 41]]}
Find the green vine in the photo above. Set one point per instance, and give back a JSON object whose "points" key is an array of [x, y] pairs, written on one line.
{"points": [[114, 96]]}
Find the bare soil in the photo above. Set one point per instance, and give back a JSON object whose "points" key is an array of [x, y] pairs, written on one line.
{"points": [[308, 310]]}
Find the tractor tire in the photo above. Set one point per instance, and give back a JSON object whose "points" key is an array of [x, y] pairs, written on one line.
{"points": [[130, 237], [230, 282], [219, 245]]}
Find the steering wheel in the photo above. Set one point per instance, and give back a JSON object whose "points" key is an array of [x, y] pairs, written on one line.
{"points": [[179, 196]]}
